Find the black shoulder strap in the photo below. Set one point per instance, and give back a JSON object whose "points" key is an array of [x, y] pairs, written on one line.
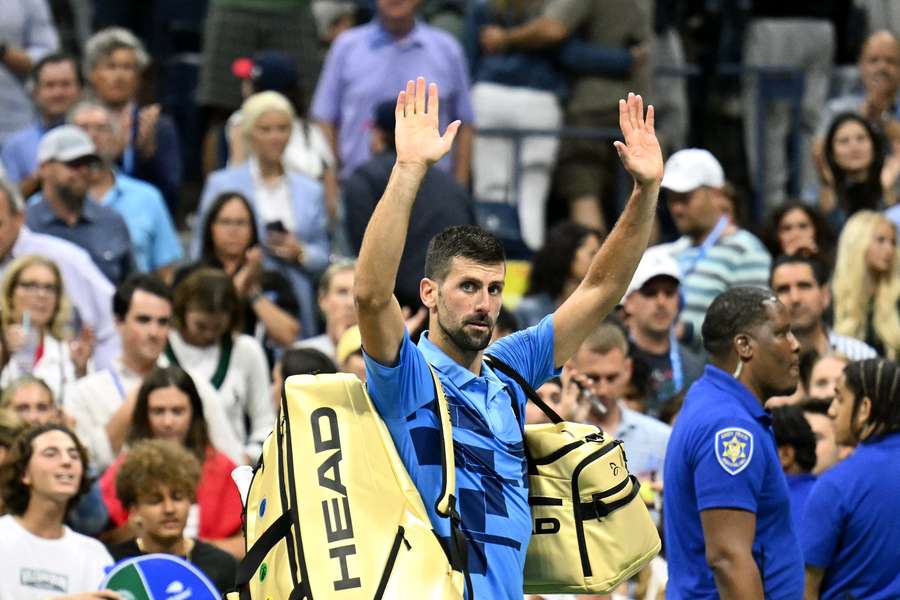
{"points": [[496, 363]]}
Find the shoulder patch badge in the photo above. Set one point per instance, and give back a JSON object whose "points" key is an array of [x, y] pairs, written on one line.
{"points": [[734, 449]]}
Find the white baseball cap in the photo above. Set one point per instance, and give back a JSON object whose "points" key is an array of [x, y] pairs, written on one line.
{"points": [[657, 261], [689, 169], [65, 143]]}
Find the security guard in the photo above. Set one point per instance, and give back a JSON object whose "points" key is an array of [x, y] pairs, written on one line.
{"points": [[726, 510], [845, 536]]}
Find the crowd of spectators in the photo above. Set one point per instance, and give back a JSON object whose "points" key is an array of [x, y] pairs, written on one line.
{"points": [[168, 258]]}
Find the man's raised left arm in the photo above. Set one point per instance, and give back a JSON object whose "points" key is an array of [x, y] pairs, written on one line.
{"points": [[613, 266]]}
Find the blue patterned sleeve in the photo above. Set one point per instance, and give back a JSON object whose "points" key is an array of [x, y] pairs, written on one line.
{"points": [[530, 352], [397, 391]]}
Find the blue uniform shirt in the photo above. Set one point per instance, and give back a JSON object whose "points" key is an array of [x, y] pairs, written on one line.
{"points": [[799, 487], [851, 523], [722, 454], [491, 473]]}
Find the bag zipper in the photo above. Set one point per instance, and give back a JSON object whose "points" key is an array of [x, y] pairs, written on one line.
{"points": [[563, 450], [392, 558], [576, 501]]}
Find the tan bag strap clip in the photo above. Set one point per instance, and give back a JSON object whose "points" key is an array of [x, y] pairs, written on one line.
{"points": [[445, 503]]}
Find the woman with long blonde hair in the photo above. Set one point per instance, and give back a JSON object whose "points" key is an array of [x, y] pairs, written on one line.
{"points": [[35, 314], [866, 282]]}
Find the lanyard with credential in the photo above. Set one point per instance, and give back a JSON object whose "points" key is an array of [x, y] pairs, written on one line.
{"points": [[117, 380], [688, 266], [128, 154], [675, 361]]}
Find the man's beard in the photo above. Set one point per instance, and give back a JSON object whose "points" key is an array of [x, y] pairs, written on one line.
{"points": [[466, 341], [70, 197], [805, 328]]}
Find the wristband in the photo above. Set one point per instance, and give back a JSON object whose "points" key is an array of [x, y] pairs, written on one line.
{"points": [[254, 297]]}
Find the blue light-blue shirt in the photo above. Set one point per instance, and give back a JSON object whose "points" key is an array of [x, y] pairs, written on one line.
{"points": [[491, 472], [20, 152], [152, 232], [722, 455], [851, 523]]}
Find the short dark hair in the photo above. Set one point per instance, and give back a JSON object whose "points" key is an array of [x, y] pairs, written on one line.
{"points": [[207, 248], [641, 376], [52, 59], [305, 361], [16, 494], [733, 311], [552, 264], [461, 241], [816, 407], [386, 121], [792, 429], [150, 464], [198, 434], [508, 321], [208, 290], [819, 270], [146, 282], [878, 380]]}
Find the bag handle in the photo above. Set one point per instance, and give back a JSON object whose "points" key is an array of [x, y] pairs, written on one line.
{"points": [[445, 505], [496, 363]]}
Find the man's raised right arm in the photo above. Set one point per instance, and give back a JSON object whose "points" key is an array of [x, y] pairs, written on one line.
{"points": [[419, 145]]}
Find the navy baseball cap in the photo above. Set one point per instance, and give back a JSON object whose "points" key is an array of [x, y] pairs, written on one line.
{"points": [[269, 70]]}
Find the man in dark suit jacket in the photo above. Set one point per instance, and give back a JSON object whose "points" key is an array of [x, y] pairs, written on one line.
{"points": [[441, 203]]}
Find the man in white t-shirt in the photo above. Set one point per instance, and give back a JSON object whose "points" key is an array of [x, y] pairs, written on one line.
{"points": [[40, 557], [102, 402]]}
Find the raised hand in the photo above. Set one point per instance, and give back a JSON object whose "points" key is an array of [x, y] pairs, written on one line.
{"points": [[148, 119], [640, 153], [81, 349], [418, 140], [493, 39]]}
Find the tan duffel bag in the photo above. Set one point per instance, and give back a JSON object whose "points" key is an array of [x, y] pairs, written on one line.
{"points": [[591, 529]]}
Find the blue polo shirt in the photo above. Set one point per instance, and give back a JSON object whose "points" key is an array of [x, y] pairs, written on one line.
{"points": [[799, 487], [99, 230], [851, 523], [491, 472], [722, 454], [151, 229]]}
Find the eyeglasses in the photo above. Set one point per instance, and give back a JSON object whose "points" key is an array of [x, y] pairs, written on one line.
{"points": [[34, 286], [232, 223]]}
